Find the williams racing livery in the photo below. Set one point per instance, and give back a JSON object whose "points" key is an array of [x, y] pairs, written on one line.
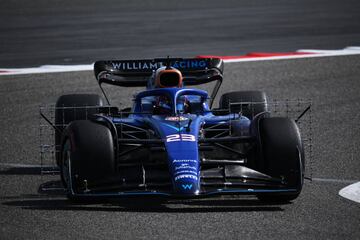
{"points": [[172, 142]]}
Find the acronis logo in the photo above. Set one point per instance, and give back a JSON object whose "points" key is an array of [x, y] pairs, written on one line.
{"points": [[186, 186]]}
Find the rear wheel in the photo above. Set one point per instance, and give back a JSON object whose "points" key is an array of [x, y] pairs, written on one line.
{"points": [[282, 156], [87, 155], [73, 107], [251, 102]]}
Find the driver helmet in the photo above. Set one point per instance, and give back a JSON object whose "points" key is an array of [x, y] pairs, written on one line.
{"points": [[168, 77]]}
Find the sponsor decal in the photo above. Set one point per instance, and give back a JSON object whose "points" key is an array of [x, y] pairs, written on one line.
{"points": [[190, 64], [184, 161], [186, 176], [176, 119], [137, 65], [185, 166], [186, 186], [185, 171], [180, 137], [150, 65]]}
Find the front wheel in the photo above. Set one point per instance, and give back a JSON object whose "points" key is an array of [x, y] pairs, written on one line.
{"points": [[282, 156], [87, 156]]}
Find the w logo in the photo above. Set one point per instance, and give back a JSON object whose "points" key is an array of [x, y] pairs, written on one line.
{"points": [[187, 186]]}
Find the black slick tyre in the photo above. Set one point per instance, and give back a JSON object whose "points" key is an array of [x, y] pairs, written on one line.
{"points": [[282, 156], [87, 155]]}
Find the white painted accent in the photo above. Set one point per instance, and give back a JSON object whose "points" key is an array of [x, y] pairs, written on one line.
{"points": [[351, 192]]}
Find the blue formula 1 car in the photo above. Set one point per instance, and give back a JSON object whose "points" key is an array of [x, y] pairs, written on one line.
{"points": [[171, 142]]}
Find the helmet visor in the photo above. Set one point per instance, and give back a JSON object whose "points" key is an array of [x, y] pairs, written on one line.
{"points": [[170, 79]]}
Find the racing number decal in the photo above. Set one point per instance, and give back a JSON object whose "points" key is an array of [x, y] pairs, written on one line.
{"points": [[180, 137]]}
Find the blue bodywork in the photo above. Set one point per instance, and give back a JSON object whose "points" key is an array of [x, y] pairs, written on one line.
{"points": [[181, 124], [180, 133]]}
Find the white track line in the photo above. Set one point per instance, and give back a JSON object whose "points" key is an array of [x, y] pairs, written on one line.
{"points": [[46, 69], [308, 53], [351, 192], [333, 180], [311, 55], [347, 50], [20, 165]]}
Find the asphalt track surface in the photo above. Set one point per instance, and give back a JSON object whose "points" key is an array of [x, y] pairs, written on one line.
{"points": [[43, 32], [319, 213]]}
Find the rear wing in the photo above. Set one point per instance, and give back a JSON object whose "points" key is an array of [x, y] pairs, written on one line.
{"points": [[135, 73]]}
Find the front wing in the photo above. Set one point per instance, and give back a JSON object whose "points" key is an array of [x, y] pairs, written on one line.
{"points": [[246, 182]]}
